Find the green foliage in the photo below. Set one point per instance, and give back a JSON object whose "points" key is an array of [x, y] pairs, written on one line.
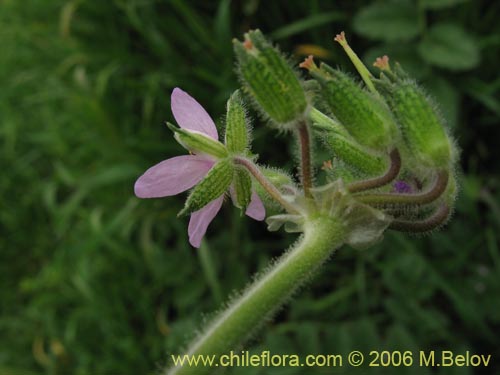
{"points": [[94, 281], [388, 21], [449, 46]]}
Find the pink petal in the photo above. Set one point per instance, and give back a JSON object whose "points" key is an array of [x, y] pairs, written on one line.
{"points": [[190, 115], [172, 176], [256, 208], [200, 220]]}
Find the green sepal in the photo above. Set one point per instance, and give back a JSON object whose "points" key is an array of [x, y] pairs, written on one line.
{"points": [[359, 157], [236, 137], [198, 143], [215, 184], [242, 183], [269, 80], [422, 127], [366, 117]]}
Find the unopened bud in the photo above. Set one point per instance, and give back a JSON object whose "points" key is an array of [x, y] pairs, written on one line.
{"points": [[269, 80], [355, 155], [366, 117], [421, 125]]}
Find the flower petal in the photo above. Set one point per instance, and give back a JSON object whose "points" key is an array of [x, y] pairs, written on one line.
{"points": [[256, 208], [190, 115], [200, 220], [172, 176]]}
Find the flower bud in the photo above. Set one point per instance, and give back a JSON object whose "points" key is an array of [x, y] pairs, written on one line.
{"points": [[215, 183], [236, 137], [359, 157], [269, 80], [366, 117], [421, 125], [198, 143]]}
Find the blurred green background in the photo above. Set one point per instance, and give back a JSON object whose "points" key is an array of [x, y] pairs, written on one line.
{"points": [[94, 281]]}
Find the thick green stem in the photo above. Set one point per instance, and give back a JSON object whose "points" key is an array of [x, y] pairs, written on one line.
{"points": [[267, 293]]}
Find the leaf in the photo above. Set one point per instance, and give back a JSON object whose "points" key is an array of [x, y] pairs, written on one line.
{"points": [[387, 21], [440, 4], [305, 24], [449, 46]]}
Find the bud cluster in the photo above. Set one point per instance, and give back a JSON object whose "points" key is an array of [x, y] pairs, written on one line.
{"points": [[386, 138]]}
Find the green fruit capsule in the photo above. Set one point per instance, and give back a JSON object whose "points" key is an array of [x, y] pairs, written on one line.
{"points": [[236, 126], [422, 127], [271, 82], [365, 116], [215, 183], [355, 155]]}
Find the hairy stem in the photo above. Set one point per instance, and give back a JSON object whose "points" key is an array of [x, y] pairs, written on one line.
{"points": [[305, 158], [428, 196], [376, 182], [267, 293], [438, 218], [266, 184]]}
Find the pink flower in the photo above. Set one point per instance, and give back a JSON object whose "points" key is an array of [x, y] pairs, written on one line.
{"points": [[180, 173]]}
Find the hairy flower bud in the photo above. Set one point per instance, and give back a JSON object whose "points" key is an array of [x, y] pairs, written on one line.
{"points": [[359, 157], [236, 137], [215, 183], [197, 142], [269, 80], [420, 124], [366, 117]]}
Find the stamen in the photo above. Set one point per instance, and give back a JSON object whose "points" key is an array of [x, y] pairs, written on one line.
{"points": [[308, 63], [382, 63]]}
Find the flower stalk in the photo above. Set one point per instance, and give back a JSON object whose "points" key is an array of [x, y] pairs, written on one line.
{"points": [[265, 183], [322, 236]]}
